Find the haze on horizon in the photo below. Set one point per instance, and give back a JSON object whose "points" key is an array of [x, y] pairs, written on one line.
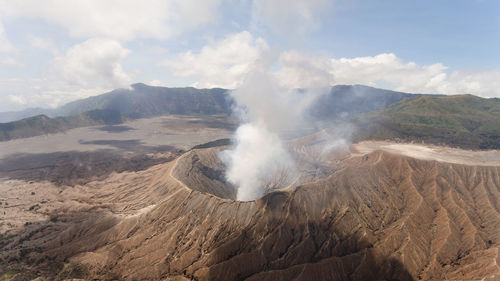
{"points": [[58, 51]]}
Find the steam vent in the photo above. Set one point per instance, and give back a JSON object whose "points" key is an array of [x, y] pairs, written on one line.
{"points": [[249, 140]]}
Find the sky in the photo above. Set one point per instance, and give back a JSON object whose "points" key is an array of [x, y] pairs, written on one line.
{"points": [[56, 51]]}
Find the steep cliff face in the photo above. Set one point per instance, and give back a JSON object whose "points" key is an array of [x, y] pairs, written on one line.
{"points": [[379, 216]]}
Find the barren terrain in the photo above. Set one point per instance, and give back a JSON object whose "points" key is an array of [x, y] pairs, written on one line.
{"points": [[432, 152], [182, 132], [385, 211], [84, 154], [41, 175]]}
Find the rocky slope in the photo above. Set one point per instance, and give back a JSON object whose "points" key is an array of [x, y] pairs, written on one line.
{"points": [[379, 216]]}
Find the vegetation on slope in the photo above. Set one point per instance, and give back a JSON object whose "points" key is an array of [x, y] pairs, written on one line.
{"points": [[146, 101], [345, 101], [464, 121], [215, 143]]}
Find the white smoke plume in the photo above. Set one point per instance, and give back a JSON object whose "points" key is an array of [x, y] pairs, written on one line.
{"points": [[260, 160]]}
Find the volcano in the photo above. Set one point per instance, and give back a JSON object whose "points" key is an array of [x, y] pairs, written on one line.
{"points": [[371, 213]]}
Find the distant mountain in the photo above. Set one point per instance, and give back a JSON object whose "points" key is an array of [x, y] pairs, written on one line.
{"points": [[29, 112], [147, 101], [140, 101], [344, 101], [465, 121], [41, 124]]}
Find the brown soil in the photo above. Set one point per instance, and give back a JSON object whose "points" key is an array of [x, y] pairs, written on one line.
{"points": [[377, 216], [433, 152]]}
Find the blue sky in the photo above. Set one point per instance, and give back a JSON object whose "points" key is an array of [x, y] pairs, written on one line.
{"points": [[462, 34], [55, 51]]}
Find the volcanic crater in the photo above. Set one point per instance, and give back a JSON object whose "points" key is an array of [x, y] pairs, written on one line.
{"points": [[361, 215]]}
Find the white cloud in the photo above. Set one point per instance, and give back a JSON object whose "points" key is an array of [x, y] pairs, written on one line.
{"points": [[10, 61], [226, 63], [158, 83], [17, 99], [93, 63], [386, 71], [90, 68], [411, 77], [299, 70], [386, 68], [5, 45], [284, 16], [53, 98], [223, 63], [118, 19], [486, 83], [44, 44], [46, 93]]}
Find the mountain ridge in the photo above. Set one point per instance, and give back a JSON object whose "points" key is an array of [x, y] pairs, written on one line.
{"points": [[145, 101], [465, 121], [141, 90], [42, 124]]}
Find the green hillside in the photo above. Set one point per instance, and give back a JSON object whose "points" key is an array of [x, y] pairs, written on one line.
{"points": [[464, 121], [341, 102]]}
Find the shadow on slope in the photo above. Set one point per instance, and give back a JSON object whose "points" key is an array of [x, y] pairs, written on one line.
{"points": [[80, 167], [381, 217], [115, 129], [273, 249], [27, 252], [135, 146], [283, 245]]}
